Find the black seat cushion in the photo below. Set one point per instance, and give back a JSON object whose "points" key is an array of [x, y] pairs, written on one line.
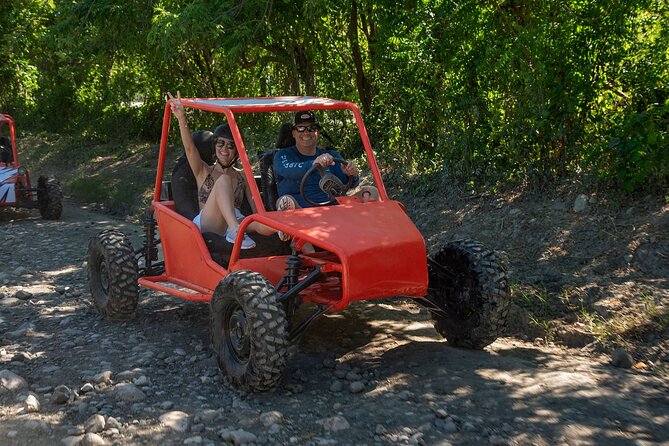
{"points": [[184, 185], [6, 154], [267, 177], [268, 180], [266, 245]]}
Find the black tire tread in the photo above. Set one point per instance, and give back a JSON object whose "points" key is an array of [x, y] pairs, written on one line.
{"points": [[268, 331], [122, 296], [50, 198], [492, 289]]}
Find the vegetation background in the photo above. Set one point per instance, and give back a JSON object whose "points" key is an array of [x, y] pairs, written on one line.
{"points": [[508, 92], [484, 97]]}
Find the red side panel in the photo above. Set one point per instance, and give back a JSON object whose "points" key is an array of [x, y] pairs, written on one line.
{"points": [[187, 259]]}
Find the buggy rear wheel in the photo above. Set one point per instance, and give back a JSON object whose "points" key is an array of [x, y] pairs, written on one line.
{"points": [[474, 297], [49, 197], [112, 274], [248, 332]]}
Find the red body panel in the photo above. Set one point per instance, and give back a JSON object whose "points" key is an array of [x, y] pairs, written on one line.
{"points": [[381, 252], [374, 250], [9, 177], [187, 260], [6, 119]]}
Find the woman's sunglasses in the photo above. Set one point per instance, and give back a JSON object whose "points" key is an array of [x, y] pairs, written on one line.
{"points": [[223, 142], [307, 128]]}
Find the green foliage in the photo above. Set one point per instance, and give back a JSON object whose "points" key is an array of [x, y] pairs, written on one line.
{"points": [[513, 91]]}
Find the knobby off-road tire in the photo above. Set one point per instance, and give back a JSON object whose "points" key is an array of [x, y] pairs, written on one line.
{"points": [[477, 302], [49, 197], [248, 332], [112, 275]]}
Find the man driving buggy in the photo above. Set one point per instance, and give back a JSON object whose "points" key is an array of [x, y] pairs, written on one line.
{"points": [[292, 163]]}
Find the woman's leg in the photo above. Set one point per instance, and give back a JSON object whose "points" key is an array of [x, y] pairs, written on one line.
{"points": [[219, 211]]}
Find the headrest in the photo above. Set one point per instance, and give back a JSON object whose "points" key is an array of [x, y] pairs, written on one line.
{"points": [[203, 141]]}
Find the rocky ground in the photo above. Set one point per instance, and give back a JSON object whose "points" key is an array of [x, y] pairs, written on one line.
{"points": [[376, 374]]}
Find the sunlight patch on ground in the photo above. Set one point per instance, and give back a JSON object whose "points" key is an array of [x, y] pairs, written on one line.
{"points": [[555, 383], [60, 272], [552, 252], [38, 288], [389, 384]]}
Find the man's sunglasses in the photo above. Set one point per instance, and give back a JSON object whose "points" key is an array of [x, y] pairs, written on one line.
{"points": [[223, 142], [307, 128]]}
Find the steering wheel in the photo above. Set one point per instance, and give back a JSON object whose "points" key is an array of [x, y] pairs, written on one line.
{"points": [[329, 183]]}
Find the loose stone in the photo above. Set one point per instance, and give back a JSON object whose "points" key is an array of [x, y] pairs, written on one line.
{"points": [[622, 358], [92, 439], [270, 418], [238, 436], [175, 420], [61, 395], [95, 424], [11, 382], [357, 387], [129, 393], [335, 424], [23, 295], [31, 404]]}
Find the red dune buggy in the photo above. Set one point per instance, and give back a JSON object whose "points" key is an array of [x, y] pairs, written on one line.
{"points": [[364, 250], [15, 188]]}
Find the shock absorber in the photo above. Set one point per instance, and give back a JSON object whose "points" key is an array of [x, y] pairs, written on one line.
{"points": [[293, 264], [150, 249]]}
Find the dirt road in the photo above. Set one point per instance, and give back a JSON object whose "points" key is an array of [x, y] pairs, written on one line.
{"points": [[376, 374]]}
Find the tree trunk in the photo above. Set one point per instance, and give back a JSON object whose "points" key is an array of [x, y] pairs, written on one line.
{"points": [[364, 90]]}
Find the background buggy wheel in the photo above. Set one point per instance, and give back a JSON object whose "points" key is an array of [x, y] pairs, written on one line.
{"points": [[49, 197], [112, 274], [476, 300], [248, 332]]}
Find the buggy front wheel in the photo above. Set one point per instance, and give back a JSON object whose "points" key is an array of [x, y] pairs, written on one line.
{"points": [[248, 332], [469, 289]]}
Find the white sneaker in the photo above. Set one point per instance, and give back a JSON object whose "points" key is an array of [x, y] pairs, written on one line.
{"points": [[247, 242], [285, 203]]}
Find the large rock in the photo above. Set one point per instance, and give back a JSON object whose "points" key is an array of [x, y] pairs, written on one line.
{"points": [[622, 358], [92, 439], [581, 203], [95, 424], [129, 393], [238, 437], [334, 424], [31, 404], [61, 395], [175, 420], [11, 382]]}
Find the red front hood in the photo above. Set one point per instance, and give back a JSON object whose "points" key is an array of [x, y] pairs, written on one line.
{"points": [[381, 250]]}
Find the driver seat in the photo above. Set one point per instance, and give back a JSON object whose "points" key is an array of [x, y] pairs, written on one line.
{"points": [[267, 177]]}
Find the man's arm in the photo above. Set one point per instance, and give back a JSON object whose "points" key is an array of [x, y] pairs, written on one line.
{"points": [[289, 166], [343, 172]]}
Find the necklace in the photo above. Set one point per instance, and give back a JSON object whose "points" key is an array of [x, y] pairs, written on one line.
{"points": [[218, 163]]}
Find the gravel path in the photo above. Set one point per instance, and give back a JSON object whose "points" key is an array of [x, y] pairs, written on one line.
{"points": [[376, 374]]}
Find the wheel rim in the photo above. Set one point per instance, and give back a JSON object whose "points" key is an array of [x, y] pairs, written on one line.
{"points": [[465, 298], [461, 298], [236, 335], [103, 275]]}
